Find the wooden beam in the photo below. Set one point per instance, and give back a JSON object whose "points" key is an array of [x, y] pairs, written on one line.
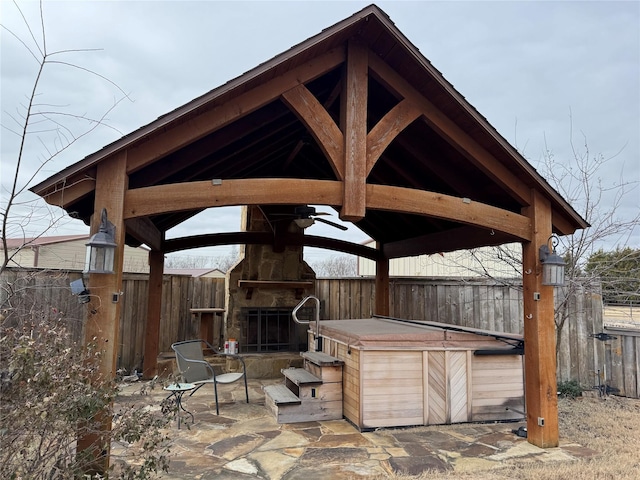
{"points": [[341, 246], [382, 285], [143, 230], [454, 134], [266, 238], [160, 199], [354, 126], [387, 129], [216, 239], [320, 124], [142, 202], [446, 207], [154, 312], [539, 333], [561, 224], [70, 191], [447, 241], [103, 319], [176, 137], [198, 195]]}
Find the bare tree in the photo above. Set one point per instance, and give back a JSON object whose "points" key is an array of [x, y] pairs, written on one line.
{"points": [[225, 262], [188, 261], [50, 393], [579, 181], [336, 266], [53, 127], [221, 262]]}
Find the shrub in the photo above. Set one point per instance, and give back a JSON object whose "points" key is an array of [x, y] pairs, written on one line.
{"points": [[570, 389], [50, 397]]}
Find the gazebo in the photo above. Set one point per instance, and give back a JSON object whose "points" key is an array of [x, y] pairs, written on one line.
{"points": [[354, 118]]}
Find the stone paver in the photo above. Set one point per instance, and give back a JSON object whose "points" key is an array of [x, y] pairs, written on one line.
{"points": [[336, 455], [245, 442], [274, 464], [234, 447], [418, 465]]}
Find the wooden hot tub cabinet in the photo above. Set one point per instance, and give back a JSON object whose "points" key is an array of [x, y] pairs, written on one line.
{"points": [[398, 373]]}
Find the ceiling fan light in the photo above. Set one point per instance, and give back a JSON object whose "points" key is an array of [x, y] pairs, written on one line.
{"points": [[303, 222]]}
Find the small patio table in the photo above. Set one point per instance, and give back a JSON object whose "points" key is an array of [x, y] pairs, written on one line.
{"points": [[176, 391]]}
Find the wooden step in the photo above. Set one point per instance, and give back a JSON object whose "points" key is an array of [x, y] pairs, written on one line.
{"points": [[323, 366], [321, 359], [301, 377], [281, 395], [315, 412]]}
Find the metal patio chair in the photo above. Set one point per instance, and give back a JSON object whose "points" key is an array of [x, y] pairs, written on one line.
{"points": [[196, 370]]}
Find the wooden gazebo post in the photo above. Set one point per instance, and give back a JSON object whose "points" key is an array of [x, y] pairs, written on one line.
{"points": [[103, 317], [539, 332], [154, 308], [382, 285]]}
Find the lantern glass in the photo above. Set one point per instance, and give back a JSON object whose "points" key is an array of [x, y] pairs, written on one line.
{"points": [[552, 274], [552, 267], [100, 259], [101, 248]]}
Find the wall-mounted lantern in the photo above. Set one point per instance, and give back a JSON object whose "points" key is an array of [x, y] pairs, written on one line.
{"points": [[552, 264], [101, 248]]}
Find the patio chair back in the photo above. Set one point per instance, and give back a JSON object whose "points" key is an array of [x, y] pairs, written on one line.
{"points": [[192, 371], [196, 370]]}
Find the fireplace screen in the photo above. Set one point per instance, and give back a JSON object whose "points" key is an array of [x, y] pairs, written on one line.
{"points": [[273, 330]]}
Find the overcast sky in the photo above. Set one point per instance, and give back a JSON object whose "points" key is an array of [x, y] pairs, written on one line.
{"points": [[537, 71]]}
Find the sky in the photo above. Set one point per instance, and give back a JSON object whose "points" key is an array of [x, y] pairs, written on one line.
{"points": [[549, 76]]}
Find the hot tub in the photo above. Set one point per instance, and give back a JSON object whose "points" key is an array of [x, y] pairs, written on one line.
{"points": [[401, 373]]}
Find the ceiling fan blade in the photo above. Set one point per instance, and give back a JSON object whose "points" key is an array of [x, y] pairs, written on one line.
{"points": [[320, 213], [337, 225]]}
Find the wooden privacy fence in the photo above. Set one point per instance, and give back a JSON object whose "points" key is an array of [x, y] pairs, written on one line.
{"points": [[621, 366], [45, 295], [481, 304]]}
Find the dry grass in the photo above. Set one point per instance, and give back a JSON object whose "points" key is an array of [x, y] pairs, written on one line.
{"points": [[609, 425]]}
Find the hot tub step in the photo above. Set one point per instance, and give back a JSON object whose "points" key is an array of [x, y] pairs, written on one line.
{"points": [[281, 395], [300, 376], [321, 359], [312, 393]]}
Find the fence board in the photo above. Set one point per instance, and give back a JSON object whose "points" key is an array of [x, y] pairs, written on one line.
{"points": [[571, 335], [637, 366], [628, 365]]}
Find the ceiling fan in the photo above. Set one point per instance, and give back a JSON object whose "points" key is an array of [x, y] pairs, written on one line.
{"points": [[304, 216]]}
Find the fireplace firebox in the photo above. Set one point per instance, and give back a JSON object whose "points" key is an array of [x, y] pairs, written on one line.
{"points": [[273, 330]]}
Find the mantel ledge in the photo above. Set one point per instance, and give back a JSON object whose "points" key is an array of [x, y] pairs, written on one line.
{"points": [[297, 285]]}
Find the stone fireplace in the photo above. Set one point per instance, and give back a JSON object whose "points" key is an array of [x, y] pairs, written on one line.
{"points": [[265, 285]]}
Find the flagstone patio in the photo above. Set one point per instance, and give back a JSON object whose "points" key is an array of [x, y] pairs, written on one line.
{"points": [[245, 441]]}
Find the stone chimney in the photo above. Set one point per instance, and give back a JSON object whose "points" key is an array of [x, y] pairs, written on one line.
{"points": [[258, 315]]}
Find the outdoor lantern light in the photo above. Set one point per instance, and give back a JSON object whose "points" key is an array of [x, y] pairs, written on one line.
{"points": [[101, 248], [552, 264]]}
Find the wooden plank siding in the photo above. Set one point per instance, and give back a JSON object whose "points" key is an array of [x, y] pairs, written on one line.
{"points": [[351, 385], [495, 387], [383, 375], [437, 388]]}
